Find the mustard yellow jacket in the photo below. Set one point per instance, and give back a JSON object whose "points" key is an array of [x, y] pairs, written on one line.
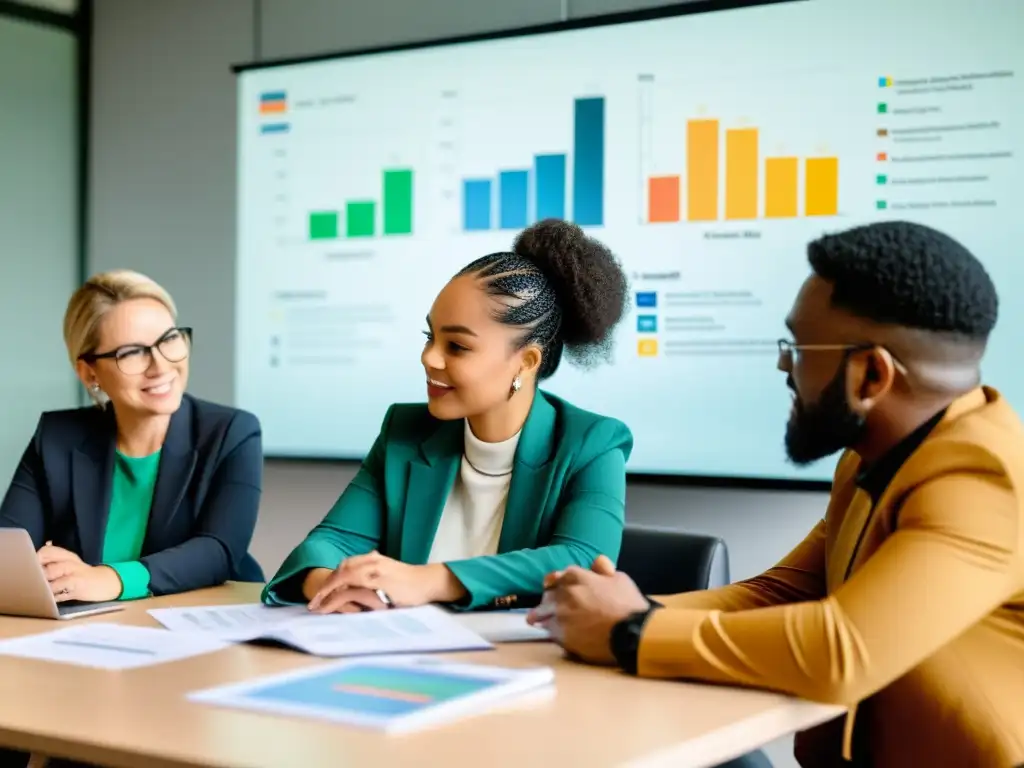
{"points": [[910, 613]]}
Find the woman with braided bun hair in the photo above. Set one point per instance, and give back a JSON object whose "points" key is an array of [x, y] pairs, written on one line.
{"points": [[471, 498]]}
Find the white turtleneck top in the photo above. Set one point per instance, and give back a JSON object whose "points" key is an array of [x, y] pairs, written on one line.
{"points": [[470, 524]]}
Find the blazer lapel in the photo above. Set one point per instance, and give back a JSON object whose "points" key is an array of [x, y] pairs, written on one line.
{"points": [[177, 463], [92, 476], [431, 476], [528, 490], [851, 529]]}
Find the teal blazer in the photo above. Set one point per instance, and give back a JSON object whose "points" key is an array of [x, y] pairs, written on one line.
{"points": [[565, 506]]}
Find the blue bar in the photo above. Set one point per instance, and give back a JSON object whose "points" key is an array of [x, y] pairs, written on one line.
{"points": [[549, 173], [476, 204], [273, 96], [274, 128], [588, 163], [513, 190]]}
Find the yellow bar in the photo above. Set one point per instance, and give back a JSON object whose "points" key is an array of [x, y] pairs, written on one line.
{"points": [[702, 170], [741, 173], [821, 193], [780, 187]]}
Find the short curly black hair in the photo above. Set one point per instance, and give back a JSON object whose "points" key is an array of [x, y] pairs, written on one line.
{"points": [[907, 274], [565, 290]]}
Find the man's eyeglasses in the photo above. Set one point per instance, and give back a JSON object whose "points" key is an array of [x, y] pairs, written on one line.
{"points": [[135, 359], [788, 351]]}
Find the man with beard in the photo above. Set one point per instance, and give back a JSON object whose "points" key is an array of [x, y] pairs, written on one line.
{"points": [[906, 602]]}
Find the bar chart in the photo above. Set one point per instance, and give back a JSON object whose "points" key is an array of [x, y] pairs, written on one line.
{"points": [[727, 179], [563, 185], [362, 218]]}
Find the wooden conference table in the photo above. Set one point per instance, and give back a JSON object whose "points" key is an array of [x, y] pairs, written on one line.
{"points": [[598, 717]]}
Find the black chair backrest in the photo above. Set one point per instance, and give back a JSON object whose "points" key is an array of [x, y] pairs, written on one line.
{"points": [[665, 562]]}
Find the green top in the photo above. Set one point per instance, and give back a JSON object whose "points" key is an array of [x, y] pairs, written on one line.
{"points": [[130, 502]]}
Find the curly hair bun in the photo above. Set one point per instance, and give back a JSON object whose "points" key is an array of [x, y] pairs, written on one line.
{"points": [[586, 277]]}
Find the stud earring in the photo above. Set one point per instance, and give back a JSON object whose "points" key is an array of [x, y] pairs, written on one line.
{"points": [[517, 384], [95, 387]]}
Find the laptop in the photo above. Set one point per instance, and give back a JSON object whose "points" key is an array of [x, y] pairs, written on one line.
{"points": [[24, 590]]}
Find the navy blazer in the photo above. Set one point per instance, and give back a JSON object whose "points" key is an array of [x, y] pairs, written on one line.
{"points": [[205, 502]]}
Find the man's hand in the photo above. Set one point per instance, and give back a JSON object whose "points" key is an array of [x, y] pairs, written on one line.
{"points": [[583, 606]]}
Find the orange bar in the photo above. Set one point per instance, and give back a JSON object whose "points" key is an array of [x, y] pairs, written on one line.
{"points": [[662, 199], [702, 170], [780, 195], [741, 173], [273, 107], [821, 193]]}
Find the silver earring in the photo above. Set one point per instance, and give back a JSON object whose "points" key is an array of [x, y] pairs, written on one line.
{"points": [[517, 383], [95, 387]]}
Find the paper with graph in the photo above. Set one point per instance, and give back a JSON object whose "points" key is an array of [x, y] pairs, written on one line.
{"points": [[389, 694]]}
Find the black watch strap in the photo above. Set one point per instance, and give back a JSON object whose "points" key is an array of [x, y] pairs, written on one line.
{"points": [[625, 639]]}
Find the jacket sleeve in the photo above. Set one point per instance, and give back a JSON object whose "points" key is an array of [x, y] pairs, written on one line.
{"points": [[23, 505], [798, 577], [226, 521], [953, 557], [353, 526], [590, 523]]}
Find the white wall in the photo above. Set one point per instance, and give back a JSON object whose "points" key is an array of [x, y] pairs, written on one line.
{"points": [[162, 201]]}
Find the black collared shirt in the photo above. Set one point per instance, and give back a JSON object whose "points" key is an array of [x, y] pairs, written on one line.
{"points": [[875, 478]]}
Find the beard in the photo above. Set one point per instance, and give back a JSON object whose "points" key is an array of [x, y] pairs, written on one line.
{"points": [[822, 428]]}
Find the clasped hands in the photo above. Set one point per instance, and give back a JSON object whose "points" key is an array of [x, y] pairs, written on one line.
{"points": [[581, 606], [72, 579], [353, 586]]}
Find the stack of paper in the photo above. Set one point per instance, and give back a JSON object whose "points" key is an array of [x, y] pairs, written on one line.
{"points": [[110, 646], [426, 629], [502, 626], [390, 694]]}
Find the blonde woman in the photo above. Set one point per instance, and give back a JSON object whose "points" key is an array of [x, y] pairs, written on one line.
{"points": [[149, 491]]}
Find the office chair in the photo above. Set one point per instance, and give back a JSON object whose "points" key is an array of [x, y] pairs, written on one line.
{"points": [[664, 562]]}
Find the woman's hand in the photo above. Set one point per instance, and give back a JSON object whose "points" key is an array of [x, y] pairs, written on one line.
{"points": [[358, 579], [71, 579]]}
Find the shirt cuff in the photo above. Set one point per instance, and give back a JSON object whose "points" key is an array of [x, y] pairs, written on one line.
{"points": [[134, 578]]}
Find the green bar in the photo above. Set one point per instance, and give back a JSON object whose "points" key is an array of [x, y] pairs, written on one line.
{"points": [[398, 202], [323, 225], [360, 219]]}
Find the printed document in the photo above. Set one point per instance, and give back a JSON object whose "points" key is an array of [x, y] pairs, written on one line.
{"points": [[395, 695], [502, 626], [110, 646], [426, 629], [228, 622]]}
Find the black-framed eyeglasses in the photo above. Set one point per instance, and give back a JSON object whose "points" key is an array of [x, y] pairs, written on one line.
{"points": [[135, 359]]}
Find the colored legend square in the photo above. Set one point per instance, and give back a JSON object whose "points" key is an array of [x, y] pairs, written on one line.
{"points": [[883, 108], [883, 132], [884, 82], [646, 299], [647, 347], [647, 323], [881, 178], [882, 157], [881, 205]]}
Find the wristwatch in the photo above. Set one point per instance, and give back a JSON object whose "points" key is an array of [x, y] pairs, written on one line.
{"points": [[625, 639]]}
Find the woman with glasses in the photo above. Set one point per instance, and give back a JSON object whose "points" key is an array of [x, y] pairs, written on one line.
{"points": [[149, 491]]}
